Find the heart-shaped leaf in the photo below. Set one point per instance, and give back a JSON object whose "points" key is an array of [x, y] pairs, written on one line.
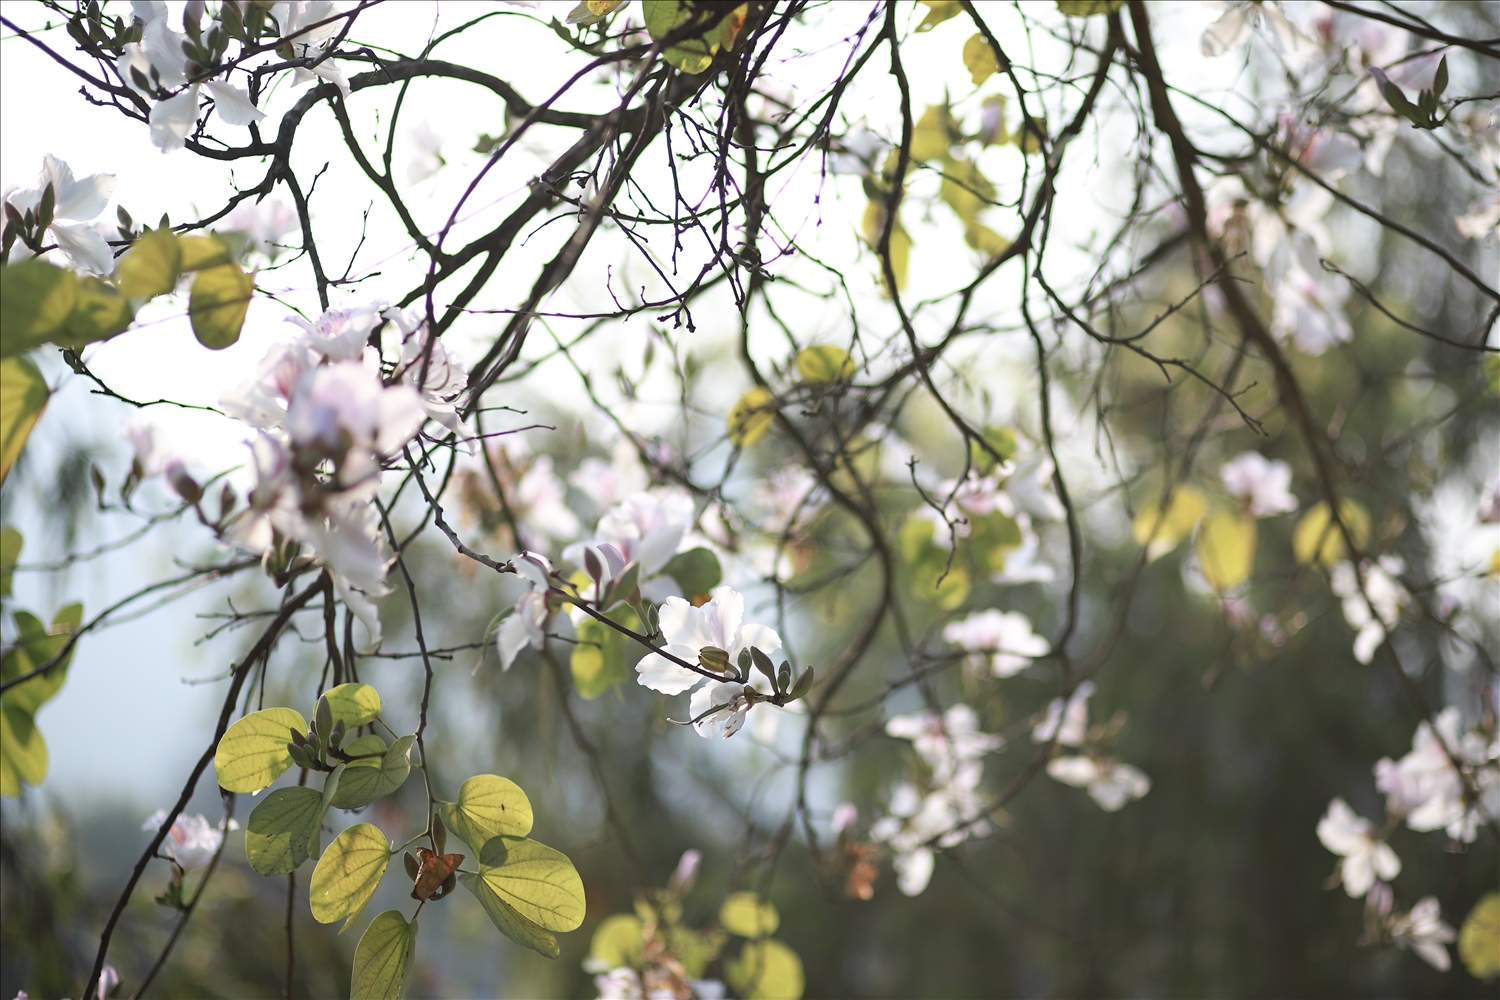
{"points": [[372, 778], [508, 921], [278, 831], [253, 752], [488, 806], [348, 874], [383, 958], [537, 882], [355, 704]]}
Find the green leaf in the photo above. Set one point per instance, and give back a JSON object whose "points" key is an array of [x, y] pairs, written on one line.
{"points": [[824, 363], [1440, 79], [1088, 8], [692, 55], [933, 133], [278, 831], [35, 300], [751, 417], [330, 789], [488, 806], [1002, 439], [10, 554], [765, 970], [744, 914], [534, 880], [598, 660], [993, 536], [23, 396], [696, 571], [356, 704], [1317, 537], [253, 752], [348, 874], [38, 644], [100, 312], [23, 752], [1161, 530], [939, 11], [618, 940], [874, 225], [508, 921], [1491, 373], [152, 265], [199, 252], [364, 781], [217, 305], [1479, 938], [383, 958], [1226, 549], [592, 11], [979, 59]]}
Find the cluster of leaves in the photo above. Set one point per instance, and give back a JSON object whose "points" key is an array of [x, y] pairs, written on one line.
{"points": [[41, 303], [530, 891], [23, 752]]}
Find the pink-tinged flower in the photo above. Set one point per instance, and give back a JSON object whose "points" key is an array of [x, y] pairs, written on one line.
{"points": [[340, 334], [1239, 21], [75, 203], [1262, 484], [1067, 723], [1376, 610], [1001, 642], [1424, 932], [446, 379], [1109, 783], [1365, 855], [263, 224], [1311, 311], [192, 842], [609, 483], [109, 981], [687, 630], [526, 625]]}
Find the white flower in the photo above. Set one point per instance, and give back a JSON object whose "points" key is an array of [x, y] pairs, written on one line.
{"points": [[1000, 641], [1482, 220], [109, 981], [1373, 613], [1366, 857], [1311, 311], [1235, 25], [160, 59], [428, 158], [948, 743], [1428, 790], [447, 379], [623, 983], [1109, 783], [297, 19], [1424, 932], [75, 202], [687, 630], [646, 528], [1262, 483], [914, 870], [191, 842], [538, 502], [1067, 724], [340, 334], [526, 625], [719, 709], [263, 224], [609, 483]]}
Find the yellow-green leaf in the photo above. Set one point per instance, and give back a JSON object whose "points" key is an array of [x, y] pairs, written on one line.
{"points": [[537, 882], [278, 831], [992, 537], [598, 659], [874, 225], [618, 940], [1226, 549], [751, 417], [765, 970], [992, 127], [199, 252], [979, 59], [488, 806], [37, 645], [1161, 530], [691, 55], [348, 874], [1479, 938], [10, 554], [253, 752], [373, 778], [744, 914], [99, 312], [508, 921], [985, 240], [1317, 536], [356, 704], [939, 11], [152, 265], [824, 363], [1491, 371], [592, 11], [23, 396], [932, 134], [967, 191], [1088, 8], [1029, 138], [220, 296], [383, 958], [23, 752], [732, 25], [35, 300]]}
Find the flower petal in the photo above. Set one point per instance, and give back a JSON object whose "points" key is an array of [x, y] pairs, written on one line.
{"points": [[85, 246], [173, 119], [233, 104], [660, 674]]}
